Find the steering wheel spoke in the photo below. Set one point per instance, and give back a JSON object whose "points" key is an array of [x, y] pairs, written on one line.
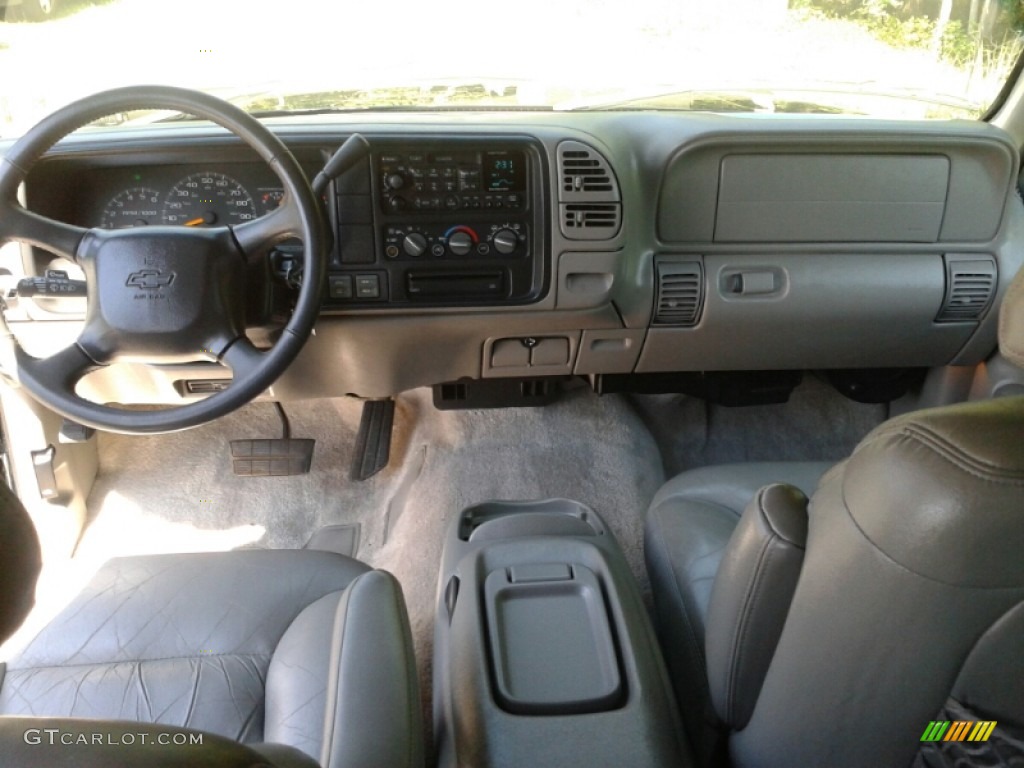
{"points": [[257, 235], [58, 372], [54, 236], [242, 357]]}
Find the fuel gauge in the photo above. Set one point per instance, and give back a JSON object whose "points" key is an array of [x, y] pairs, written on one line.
{"points": [[135, 207], [270, 199]]}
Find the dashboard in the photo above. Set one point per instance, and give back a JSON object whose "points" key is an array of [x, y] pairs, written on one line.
{"points": [[621, 247]]}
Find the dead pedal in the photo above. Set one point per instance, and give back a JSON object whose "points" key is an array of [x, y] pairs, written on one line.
{"points": [[274, 457], [373, 444]]}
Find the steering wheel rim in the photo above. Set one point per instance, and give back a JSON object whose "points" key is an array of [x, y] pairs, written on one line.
{"points": [[52, 380]]}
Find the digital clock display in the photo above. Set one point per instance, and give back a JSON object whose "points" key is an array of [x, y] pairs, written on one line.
{"points": [[504, 171]]}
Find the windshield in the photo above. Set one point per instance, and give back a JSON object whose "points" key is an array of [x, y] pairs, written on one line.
{"points": [[885, 58]]}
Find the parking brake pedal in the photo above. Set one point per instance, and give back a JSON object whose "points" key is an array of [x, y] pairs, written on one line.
{"points": [[373, 445], [275, 457]]}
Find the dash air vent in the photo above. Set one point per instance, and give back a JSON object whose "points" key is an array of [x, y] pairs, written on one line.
{"points": [[584, 171], [590, 221], [970, 285], [680, 293], [588, 193]]}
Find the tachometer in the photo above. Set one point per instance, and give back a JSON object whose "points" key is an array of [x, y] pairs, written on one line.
{"points": [[208, 199], [135, 207]]}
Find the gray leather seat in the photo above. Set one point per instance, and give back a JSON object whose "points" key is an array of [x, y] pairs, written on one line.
{"points": [[833, 633], [689, 524], [306, 649]]}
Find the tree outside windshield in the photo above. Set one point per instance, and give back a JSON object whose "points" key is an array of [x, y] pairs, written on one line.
{"points": [[889, 58]]}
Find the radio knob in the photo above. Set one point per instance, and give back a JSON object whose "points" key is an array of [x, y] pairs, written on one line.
{"points": [[460, 243], [414, 244], [395, 180], [505, 241]]}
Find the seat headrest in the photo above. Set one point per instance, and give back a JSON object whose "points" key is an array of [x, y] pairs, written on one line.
{"points": [[1011, 322], [22, 561]]}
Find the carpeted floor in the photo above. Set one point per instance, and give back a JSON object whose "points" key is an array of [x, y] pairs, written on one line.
{"points": [[177, 493]]}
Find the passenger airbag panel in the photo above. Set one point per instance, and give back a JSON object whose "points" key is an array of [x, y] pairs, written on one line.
{"points": [[831, 198]]}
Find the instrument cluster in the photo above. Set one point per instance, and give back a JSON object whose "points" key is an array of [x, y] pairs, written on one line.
{"points": [[205, 195], [206, 198]]}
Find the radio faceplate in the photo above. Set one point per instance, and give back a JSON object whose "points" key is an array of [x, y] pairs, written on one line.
{"points": [[442, 221]]}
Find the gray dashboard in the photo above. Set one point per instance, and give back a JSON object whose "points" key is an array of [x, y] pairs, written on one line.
{"points": [[636, 243]]}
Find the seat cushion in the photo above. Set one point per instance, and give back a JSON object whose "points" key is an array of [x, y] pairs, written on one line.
{"points": [[689, 523], [183, 640]]}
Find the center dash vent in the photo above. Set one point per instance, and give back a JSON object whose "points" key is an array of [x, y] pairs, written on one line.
{"points": [[588, 193], [680, 293], [970, 286], [591, 221], [583, 172]]}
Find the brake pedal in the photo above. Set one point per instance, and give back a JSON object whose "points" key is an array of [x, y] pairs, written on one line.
{"points": [[275, 457], [373, 444]]}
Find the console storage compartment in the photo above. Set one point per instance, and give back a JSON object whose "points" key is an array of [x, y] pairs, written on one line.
{"points": [[551, 646], [544, 654]]}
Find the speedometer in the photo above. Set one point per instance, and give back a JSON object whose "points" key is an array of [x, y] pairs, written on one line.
{"points": [[208, 199]]}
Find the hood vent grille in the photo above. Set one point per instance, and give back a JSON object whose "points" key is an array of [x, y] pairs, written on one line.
{"points": [[970, 286], [680, 293], [588, 193]]}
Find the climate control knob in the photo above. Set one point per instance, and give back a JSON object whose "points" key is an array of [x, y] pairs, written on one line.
{"points": [[460, 243], [414, 244], [505, 241]]}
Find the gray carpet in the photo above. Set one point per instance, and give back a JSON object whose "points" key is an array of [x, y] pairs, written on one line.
{"points": [[611, 453], [594, 450], [817, 424]]}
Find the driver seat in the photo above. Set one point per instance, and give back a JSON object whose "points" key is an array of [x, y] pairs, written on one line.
{"points": [[844, 631], [303, 655]]}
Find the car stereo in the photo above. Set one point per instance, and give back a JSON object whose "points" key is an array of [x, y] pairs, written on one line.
{"points": [[441, 221]]}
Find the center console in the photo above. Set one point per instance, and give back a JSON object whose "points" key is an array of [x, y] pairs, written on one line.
{"points": [[544, 654], [441, 221]]}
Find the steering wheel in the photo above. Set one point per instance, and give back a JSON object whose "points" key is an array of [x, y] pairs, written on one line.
{"points": [[165, 294]]}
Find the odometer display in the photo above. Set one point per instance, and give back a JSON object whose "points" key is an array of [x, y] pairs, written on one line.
{"points": [[208, 199]]}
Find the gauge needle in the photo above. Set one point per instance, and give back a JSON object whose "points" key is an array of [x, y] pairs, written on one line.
{"points": [[195, 222]]}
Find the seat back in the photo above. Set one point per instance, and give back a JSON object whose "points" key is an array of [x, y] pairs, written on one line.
{"points": [[909, 606], [22, 560]]}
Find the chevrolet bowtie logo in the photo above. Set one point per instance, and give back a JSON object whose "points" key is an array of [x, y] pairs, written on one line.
{"points": [[150, 279]]}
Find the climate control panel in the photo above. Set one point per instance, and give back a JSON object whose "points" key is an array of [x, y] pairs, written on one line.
{"points": [[442, 221], [477, 242]]}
